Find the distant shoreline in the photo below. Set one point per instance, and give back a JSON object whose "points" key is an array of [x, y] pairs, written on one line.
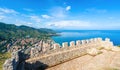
{"points": [[73, 35], [57, 34]]}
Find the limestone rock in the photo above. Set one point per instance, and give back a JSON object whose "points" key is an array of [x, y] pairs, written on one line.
{"points": [[8, 65], [107, 48], [65, 44], [72, 44], [78, 42], [116, 49], [93, 51]]}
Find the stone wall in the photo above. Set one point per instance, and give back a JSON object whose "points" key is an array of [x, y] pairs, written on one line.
{"points": [[58, 54], [16, 62], [11, 63]]}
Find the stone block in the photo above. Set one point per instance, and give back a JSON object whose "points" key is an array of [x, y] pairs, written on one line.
{"points": [[95, 39], [72, 44], [65, 44], [83, 41], [32, 52], [78, 42], [56, 46], [99, 39], [91, 40], [107, 39], [45, 47], [87, 41]]}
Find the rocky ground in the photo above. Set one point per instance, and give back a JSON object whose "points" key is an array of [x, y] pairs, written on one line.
{"points": [[107, 60], [20, 54], [101, 55]]}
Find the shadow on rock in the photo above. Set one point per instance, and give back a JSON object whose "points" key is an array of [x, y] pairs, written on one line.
{"points": [[35, 66]]}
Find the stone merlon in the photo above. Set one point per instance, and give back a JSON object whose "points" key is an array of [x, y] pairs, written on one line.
{"points": [[74, 50]]}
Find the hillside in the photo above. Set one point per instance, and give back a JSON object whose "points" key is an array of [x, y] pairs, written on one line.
{"points": [[10, 33]]}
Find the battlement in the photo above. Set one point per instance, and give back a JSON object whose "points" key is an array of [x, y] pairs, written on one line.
{"points": [[79, 43], [57, 54], [47, 49], [56, 47]]}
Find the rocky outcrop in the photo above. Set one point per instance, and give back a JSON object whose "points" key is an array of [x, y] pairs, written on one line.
{"points": [[14, 63], [17, 60], [8, 65], [11, 63], [17, 44], [47, 54]]}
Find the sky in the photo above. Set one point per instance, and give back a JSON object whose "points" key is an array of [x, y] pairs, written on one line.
{"points": [[62, 14]]}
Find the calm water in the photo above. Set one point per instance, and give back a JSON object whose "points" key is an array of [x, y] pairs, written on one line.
{"points": [[73, 35]]}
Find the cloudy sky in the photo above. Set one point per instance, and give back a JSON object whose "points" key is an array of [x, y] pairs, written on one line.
{"points": [[62, 14]]}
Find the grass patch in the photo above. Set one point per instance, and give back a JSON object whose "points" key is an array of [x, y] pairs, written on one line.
{"points": [[3, 57]]}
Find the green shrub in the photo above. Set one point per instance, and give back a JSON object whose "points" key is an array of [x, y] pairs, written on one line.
{"points": [[3, 57]]}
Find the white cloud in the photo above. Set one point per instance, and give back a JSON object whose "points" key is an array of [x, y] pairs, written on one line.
{"points": [[8, 11], [58, 12], [94, 10], [29, 23], [35, 18], [2, 17], [68, 8], [74, 24], [79, 24], [19, 22], [46, 16]]}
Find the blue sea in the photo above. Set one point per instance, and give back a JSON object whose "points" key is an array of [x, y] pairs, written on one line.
{"points": [[73, 35]]}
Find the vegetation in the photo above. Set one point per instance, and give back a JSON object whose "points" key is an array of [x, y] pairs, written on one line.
{"points": [[3, 57], [8, 31], [11, 32]]}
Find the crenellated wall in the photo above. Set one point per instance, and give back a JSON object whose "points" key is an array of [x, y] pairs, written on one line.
{"points": [[57, 54]]}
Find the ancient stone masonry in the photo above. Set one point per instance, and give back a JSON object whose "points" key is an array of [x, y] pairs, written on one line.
{"points": [[46, 48], [95, 42], [58, 54], [50, 53], [65, 44], [72, 44], [78, 42], [107, 44], [12, 63]]}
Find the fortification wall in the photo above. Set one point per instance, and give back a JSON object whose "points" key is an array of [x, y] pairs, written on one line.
{"points": [[59, 54]]}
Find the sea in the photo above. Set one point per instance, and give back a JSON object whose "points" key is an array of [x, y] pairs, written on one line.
{"points": [[73, 35]]}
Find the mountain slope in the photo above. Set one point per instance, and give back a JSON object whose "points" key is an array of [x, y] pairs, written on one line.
{"points": [[10, 33]]}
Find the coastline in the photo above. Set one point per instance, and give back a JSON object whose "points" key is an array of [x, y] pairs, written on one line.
{"points": [[73, 35]]}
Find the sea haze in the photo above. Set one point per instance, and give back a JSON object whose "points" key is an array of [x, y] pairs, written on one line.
{"points": [[73, 35]]}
